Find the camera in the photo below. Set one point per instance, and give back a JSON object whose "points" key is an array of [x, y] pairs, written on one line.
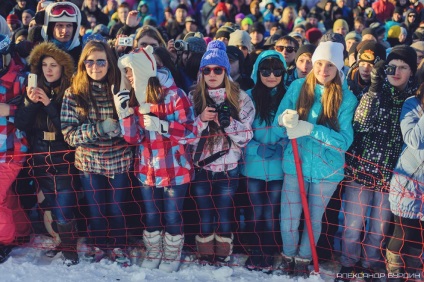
{"points": [[125, 41], [181, 45], [390, 70], [224, 114]]}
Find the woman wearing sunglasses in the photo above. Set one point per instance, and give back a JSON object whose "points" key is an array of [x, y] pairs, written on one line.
{"points": [[224, 117], [161, 127], [52, 160], [317, 111], [89, 123], [262, 160]]}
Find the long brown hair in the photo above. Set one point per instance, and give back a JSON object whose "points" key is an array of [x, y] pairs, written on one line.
{"points": [[201, 100], [81, 85], [154, 93], [331, 101]]}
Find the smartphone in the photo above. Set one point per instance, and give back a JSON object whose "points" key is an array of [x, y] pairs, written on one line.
{"points": [[125, 41], [32, 80]]}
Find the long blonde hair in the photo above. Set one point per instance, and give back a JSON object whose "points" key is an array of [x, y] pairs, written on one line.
{"points": [[331, 101]]}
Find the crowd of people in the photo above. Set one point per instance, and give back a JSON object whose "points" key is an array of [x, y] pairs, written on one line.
{"points": [[198, 104]]}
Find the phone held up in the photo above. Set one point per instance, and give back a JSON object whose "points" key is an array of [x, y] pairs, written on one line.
{"points": [[32, 80]]}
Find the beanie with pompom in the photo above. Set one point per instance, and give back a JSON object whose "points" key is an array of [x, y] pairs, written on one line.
{"points": [[216, 55]]}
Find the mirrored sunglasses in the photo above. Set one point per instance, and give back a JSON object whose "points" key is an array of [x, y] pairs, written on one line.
{"points": [[99, 63], [216, 70], [267, 72], [289, 49]]}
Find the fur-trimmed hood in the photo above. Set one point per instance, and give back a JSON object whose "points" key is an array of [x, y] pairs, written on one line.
{"points": [[48, 49]]}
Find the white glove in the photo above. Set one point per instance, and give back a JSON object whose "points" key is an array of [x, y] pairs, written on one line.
{"points": [[289, 118], [121, 100], [153, 123], [303, 128], [144, 108]]}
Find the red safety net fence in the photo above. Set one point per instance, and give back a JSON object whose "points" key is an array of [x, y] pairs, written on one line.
{"points": [[255, 217]]}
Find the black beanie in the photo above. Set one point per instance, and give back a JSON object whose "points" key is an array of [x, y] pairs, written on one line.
{"points": [[406, 54], [307, 48]]}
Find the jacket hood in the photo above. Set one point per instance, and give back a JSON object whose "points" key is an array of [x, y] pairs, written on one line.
{"points": [[48, 18], [264, 55], [48, 49], [143, 64]]}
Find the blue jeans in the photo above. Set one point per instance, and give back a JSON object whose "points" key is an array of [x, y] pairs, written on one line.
{"points": [[214, 196], [358, 200], [104, 197], [62, 204], [318, 196], [263, 221], [166, 201]]}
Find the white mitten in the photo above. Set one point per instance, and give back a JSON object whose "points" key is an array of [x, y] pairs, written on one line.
{"points": [[121, 100], [153, 123], [289, 118], [144, 108], [303, 128]]}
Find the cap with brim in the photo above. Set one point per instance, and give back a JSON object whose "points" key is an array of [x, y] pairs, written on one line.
{"points": [[270, 41], [295, 34]]}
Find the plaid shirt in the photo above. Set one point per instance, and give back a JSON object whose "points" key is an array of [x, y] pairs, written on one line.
{"points": [[162, 158], [94, 153], [13, 143]]}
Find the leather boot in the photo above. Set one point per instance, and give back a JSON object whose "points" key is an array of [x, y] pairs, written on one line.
{"points": [[223, 248], [68, 234], [206, 247], [413, 260]]}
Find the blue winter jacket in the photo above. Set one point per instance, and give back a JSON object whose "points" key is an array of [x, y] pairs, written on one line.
{"points": [[322, 153], [406, 186], [255, 166]]}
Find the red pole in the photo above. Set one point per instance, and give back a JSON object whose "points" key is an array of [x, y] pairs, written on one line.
{"points": [[305, 203]]}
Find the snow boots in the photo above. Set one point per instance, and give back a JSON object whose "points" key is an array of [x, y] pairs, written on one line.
{"points": [[68, 235], [172, 247], [153, 244]]}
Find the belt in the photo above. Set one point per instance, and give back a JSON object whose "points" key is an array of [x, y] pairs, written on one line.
{"points": [[49, 136]]}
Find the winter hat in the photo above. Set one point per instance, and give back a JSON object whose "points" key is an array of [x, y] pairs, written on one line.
{"points": [[371, 52], [369, 30], [378, 28], [269, 18], [12, 19], [258, 27], [353, 35], [329, 51], [418, 46], [192, 34], [196, 44], [216, 55], [240, 38], [404, 53], [29, 11], [224, 31], [340, 23], [270, 41], [102, 30], [34, 35], [246, 21], [313, 34], [182, 6], [398, 10], [240, 16], [394, 32], [143, 64], [307, 48], [295, 34]]}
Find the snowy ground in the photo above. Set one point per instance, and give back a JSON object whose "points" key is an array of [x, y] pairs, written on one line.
{"points": [[28, 263]]}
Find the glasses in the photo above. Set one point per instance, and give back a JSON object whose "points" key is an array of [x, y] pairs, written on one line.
{"points": [[144, 45], [242, 47], [267, 72], [59, 10], [412, 16], [289, 49], [215, 70], [99, 63]]}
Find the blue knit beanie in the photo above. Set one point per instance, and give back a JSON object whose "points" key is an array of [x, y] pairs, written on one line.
{"points": [[216, 55]]}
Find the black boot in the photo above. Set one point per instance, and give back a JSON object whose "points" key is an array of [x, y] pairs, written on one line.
{"points": [[4, 253], [412, 257], [68, 235], [254, 260]]}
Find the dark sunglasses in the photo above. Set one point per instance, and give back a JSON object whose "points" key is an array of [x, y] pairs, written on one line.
{"points": [[99, 63], [267, 72], [289, 49], [412, 16], [216, 70]]}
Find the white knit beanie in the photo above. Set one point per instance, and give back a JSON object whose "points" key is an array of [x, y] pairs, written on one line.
{"points": [[329, 51]]}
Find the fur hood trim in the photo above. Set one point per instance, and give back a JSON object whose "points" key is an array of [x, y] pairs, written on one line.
{"points": [[50, 50]]}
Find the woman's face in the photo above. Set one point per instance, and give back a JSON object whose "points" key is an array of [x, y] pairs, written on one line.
{"points": [[402, 74], [212, 79], [303, 65], [147, 40], [324, 71], [270, 81], [130, 76], [97, 65], [52, 71]]}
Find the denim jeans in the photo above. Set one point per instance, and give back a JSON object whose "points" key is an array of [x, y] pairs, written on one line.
{"points": [[104, 197], [62, 204], [164, 208], [214, 196], [318, 196], [263, 221], [358, 200]]}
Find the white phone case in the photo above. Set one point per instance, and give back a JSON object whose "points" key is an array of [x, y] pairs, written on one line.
{"points": [[32, 80]]}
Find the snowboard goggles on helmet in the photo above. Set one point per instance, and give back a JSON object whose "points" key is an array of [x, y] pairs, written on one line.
{"points": [[60, 9]]}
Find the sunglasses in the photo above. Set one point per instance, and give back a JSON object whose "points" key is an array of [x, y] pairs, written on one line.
{"points": [[289, 49], [412, 16], [216, 70], [59, 10], [267, 72], [99, 63]]}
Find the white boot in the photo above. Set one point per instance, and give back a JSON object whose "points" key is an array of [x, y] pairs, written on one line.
{"points": [[153, 244], [172, 246]]}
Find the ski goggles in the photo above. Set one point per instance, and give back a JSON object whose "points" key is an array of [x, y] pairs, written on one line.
{"points": [[60, 9], [267, 72]]}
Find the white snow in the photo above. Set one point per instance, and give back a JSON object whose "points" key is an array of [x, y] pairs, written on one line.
{"points": [[28, 263]]}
